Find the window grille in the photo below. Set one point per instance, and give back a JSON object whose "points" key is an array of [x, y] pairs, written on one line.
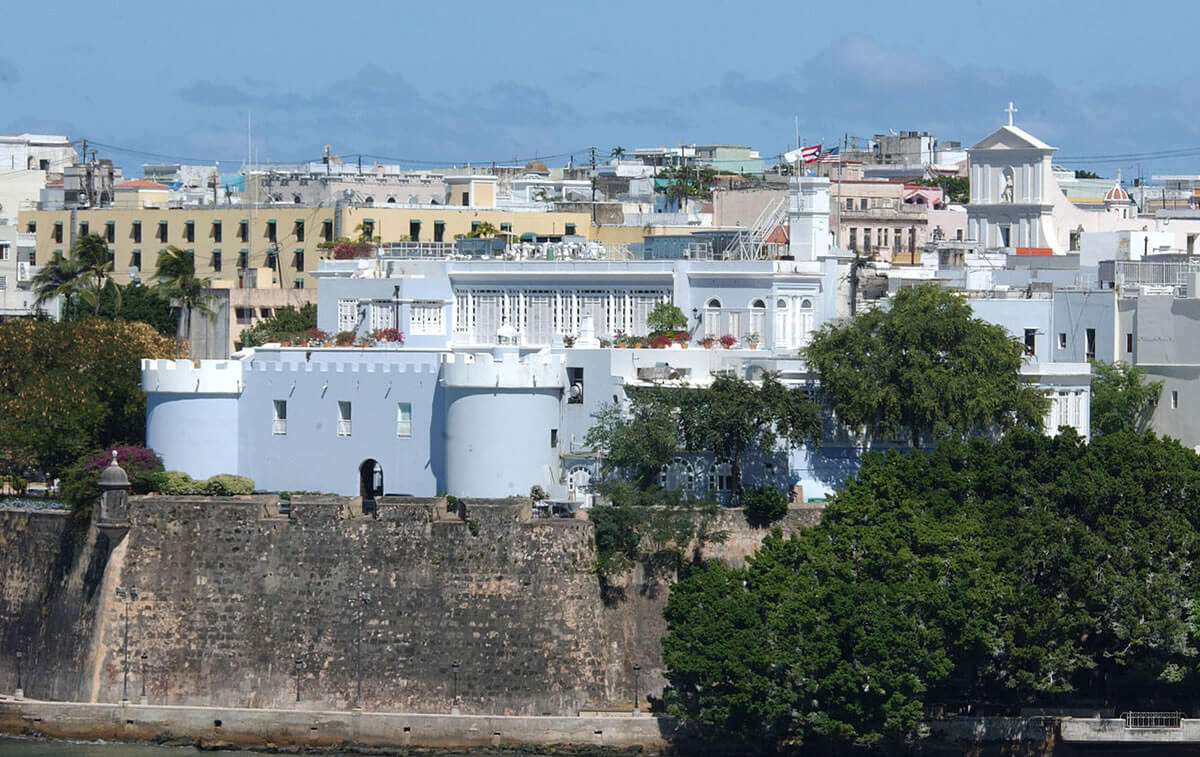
{"points": [[279, 427], [404, 419], [347, 315], [343, 427]]}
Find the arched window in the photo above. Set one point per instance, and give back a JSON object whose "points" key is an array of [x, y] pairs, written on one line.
{"points": [[296, 199], [370, 200], [712, 318], [720, 476], [391, 200], [677, 475], [806, 304], [758, 313], [579, 482]]}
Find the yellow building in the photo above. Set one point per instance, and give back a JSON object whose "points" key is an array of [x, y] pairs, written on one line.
{"points": [[274, 246]]}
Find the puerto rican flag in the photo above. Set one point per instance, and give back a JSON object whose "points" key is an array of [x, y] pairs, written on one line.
{"points": [[810, 154]]}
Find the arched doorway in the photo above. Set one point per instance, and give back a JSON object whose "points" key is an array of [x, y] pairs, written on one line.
{"points": [[370, 483]]}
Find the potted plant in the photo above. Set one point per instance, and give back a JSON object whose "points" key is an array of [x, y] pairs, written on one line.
{"points": [[708, 342], [344, 338], [752, 338], [660, 341], [568, 340], [682, 338], [314, 337], [388, 336], [728, 341]]}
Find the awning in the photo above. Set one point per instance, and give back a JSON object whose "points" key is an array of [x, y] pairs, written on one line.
{"points": [[216, 251], [137, 223], [439, 223], [368, 220], [528, 236], [162, 223], [216, 222], [270, 220], [300, 250], [58, 223], [299, 220], [414, 220], [190, 222]]}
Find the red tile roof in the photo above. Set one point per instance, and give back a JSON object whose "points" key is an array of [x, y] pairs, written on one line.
{"points": [[141, 184]]}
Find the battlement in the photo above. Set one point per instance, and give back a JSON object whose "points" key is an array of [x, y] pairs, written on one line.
{"points": [[186, 377], [483, 370], [342, 367]]}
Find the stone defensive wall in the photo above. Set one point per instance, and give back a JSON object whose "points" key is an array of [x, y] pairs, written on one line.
{"points": [[240, 600], [187, 377]]}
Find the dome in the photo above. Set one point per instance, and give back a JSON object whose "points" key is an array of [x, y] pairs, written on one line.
{"points": [[1116, 194], [114, 476]]}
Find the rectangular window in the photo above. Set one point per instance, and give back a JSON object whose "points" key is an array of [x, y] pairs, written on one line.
{"points": [[466, 198], [243, 231], [244, 259], [368, 226], [439, 231], [862, 203], [244, 315], [110, 232], [574, 386], [58, 235], [1174, 399], [347, 314], [216, 261], [83, 228], [414, 230], [404, 420], [299, 260], [867, 241], [279, 424], [327, 230], [427, 318], [853, 239], [1128, 342], [570, 229], [475, 225], [271, 235], [4, 250], [271, 260], [137, 232], [3, 283], [553, 438], [31, 227], [264, 313], [505, 227], [1091, 344], [135, 259], [849, 203], [299, 230], [1030, 341], [189, 231], [162, 231], [216, 231], [343, 427], [1062, 340]]}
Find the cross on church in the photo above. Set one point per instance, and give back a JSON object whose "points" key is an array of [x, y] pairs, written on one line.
{"points": [[1010, 110]]}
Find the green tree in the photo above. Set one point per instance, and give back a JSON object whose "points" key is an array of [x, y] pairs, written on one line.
{"points": [[1084, 174], [175, 274], [956, 188], [287, 322], [1122, 399], [95, 266], [60, 277], [142, 303], [483, 229], [924, 367], [67, 388], [617, 152], [664, 317]]}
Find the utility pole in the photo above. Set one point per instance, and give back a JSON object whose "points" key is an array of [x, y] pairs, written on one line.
{"points": [[592, 150], [87, 174]]}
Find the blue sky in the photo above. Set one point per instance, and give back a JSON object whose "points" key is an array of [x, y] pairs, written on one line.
{"points": [[449, 83]]}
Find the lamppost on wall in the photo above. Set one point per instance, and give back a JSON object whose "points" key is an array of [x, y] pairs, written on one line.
{"points": [[143, 677], [454, 700], [125, 595], [362, 601], [20, 692], [299, 663], [637, 671]]}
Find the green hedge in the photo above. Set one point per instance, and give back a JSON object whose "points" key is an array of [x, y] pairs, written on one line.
{"points": [[177, 483]]}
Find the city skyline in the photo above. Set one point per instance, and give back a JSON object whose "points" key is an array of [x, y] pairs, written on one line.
{"points": [[434, 86]]}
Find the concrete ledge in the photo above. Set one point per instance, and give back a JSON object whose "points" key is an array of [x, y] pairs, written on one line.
{"points": [[1113, 730], [257, 728]]}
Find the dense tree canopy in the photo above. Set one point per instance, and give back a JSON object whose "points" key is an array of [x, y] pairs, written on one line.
{"points": [[1122, 399], [287, 322], [68, 388], [1032, 570], [923, 368]]}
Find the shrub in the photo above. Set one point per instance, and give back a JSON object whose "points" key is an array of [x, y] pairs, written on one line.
{"points": [[728, 341], [666, 317], [228, 485], [388, 335], [764, 505], [80, 482], [344, 338], [177, 483]]}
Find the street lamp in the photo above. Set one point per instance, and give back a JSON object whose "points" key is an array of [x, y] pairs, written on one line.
{"points": [[20, 688], [363, 600], [637, 672], [299, 662], [125, 595], [143, 677], [454, 668]]}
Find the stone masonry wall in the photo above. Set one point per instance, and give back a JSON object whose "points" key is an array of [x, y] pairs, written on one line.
{"points": [[231, 592]]}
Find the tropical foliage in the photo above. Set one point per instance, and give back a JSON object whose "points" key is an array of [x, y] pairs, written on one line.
{"points": [[287, 324], [923, 368], [1029, 571], [1121, 398], [175, 273], [67, 388]]}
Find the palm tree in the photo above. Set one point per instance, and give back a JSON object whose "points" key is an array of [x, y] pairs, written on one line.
{"points": [[176, 277], [618, 152], [60, 277], [95, 263]]}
